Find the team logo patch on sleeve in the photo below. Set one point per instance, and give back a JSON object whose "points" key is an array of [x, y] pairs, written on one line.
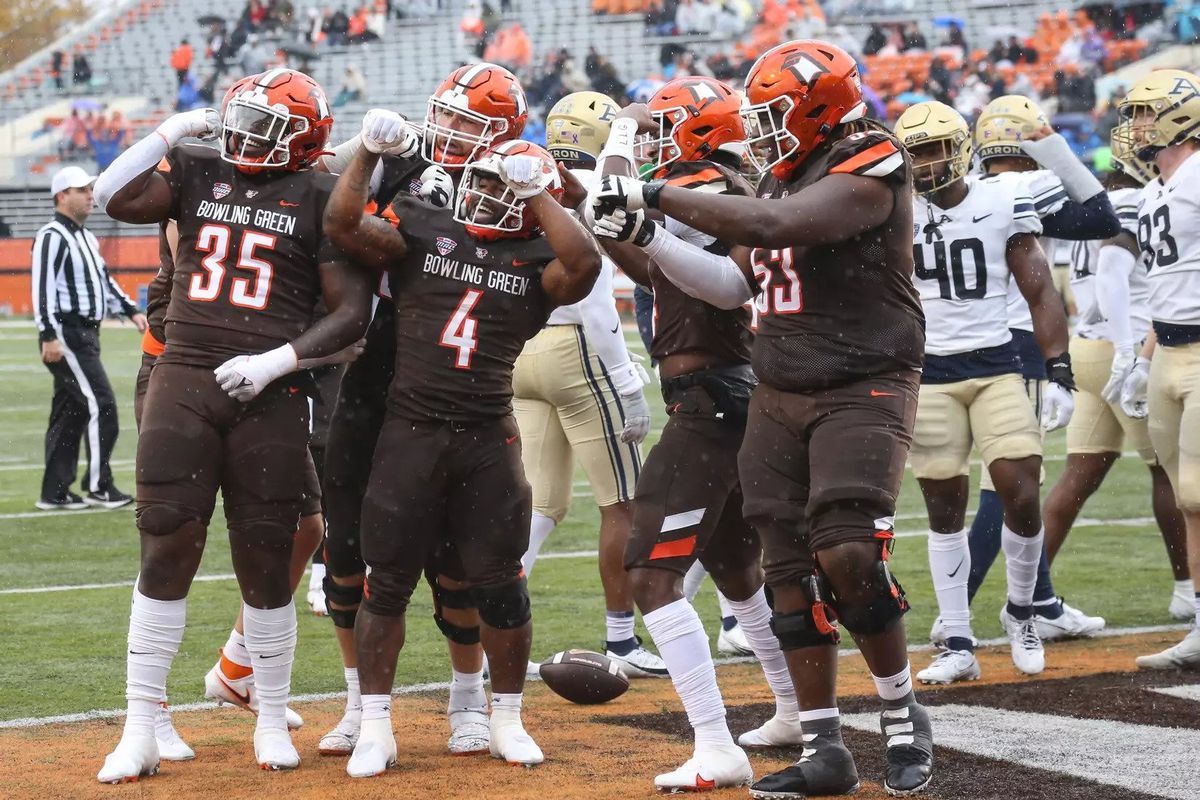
{"points": [[445, 244], [221, 190]]}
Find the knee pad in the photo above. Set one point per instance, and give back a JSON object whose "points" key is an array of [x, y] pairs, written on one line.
{"points": [[160, 519], [813, 627], [505, 606], [881, 602], [387, 593], [457, 599], [348, 596]]}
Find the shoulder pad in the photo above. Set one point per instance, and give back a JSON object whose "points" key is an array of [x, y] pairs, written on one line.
{"points": [[874, 154], [705, 176]]}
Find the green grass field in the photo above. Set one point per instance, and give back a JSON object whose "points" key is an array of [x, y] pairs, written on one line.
{"points": [[64, 650]]}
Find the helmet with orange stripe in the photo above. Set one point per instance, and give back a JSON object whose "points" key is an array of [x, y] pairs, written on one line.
{"points": [[276, 120], [475, 107], [696, 118]]}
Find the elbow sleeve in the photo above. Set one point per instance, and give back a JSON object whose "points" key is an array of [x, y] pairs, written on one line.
{"points": [[715, 279], [1092, 219]]}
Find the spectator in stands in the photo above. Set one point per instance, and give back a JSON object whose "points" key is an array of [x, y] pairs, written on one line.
{"points": [[1093, 50], [357, 32], [1015, 52], [510, 47], [876, 39], [256, 13], [694, 17], [1109, 118], [603, 74], [914, 40], [56, 68], [188, 96], [997, 53], [337, 27], [81, 71], [105, 140], [1076, 90], [729, 22], [5, 229], [940, 83], [956, 38], [218, 46], [181, 61], [354, 86]]}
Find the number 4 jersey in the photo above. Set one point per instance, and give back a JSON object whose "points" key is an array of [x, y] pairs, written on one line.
{"points": [[1169, 235], [962, 272], [246, 277]]}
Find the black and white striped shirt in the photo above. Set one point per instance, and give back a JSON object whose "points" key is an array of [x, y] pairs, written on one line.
{"points": [[70, 278]]}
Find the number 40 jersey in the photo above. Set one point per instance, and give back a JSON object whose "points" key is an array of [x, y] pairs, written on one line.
{"points": [[961, 264]]}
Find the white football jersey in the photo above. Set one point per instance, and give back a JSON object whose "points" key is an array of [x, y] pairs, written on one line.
{"points": [[962, 264], [1084, 259], [573, 314], [1049, 197], [1169, 235]]}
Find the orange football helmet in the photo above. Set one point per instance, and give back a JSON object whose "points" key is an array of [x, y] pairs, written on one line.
{"points": [[476, 106], [276, 120], [696, 117], [796, 93], [488, 208]]}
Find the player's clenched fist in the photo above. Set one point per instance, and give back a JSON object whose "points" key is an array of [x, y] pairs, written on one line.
{"points": [[387, 132], [203, 123], [526, 176], [244, 377], [437, 187], [624, 226], [617, 191]]}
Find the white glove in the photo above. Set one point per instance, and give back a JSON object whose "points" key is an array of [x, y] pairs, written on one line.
{"points": [[1092, 315], [624, 226], [1133, 391], [637, 417], [437, 187], [617, 191], [1121, 366], [526, 176], [244, 377], [387, 132], [200, 122], [1057, 407]]}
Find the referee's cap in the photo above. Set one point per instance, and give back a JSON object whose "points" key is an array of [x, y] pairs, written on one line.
{"points": [[70, 178]]}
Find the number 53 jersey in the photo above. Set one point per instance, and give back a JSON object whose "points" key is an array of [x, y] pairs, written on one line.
{"points": [[1169, 235], [961, 263]]}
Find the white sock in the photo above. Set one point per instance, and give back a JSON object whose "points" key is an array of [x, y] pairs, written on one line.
{"points": [[725, 606], [235, 648], [377, 707], [271, 640], [1184, 586], [353, 692], [155, 631], [540, 528], [683, 645], [692, 580], [950, 566], [754, 615], [895, 687], [1197, 594], [618, 626], [317, 578], [466, 692], [1021, 556], [506, 708]]}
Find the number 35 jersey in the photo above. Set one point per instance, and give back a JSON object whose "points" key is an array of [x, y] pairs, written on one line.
{"points": [[1169, 235], [961, 265], [246, 277]]}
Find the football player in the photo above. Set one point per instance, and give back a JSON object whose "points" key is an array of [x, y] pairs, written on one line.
{"points": [[473, 107], [1111, 291], [252, 262], [1013, 135], [838, 351], [1160, 122], [688, 505], [578, 393], [470, 287], [970, 237]]}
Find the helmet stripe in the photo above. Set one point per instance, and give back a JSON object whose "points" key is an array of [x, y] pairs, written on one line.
{"points": [[270, 75]]}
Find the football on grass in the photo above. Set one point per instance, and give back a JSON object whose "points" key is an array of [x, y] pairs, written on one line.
{"points": [[584, 677]]}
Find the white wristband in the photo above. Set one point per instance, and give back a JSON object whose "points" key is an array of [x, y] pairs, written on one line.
{"points": [[626, 378], [621, 138], [338, 159], [280, 361]]}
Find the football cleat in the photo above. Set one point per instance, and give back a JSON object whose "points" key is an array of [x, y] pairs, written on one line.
{"points": [[375, 750], [938, 635], [135, 756], [707, 769], [1027, 652], [1183, 604], [273, 749], [775, 732], [825, 768], [639, 662], [1072, 623], [733, 642], [240, 692], [171, 746], [509, 741], [909, 738], [470, 732], [950, 666], [1185, 655], [341, 740]]}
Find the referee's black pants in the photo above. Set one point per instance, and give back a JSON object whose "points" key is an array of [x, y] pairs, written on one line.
{"points": [[83, 408]]}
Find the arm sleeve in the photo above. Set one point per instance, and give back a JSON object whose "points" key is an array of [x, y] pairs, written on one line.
{"points": [[602, 328], [49, 250], [1091, 219], [706, 276], [1024, 215], [1113, 269]]}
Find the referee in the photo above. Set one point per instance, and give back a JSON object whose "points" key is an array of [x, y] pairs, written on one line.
{"points": [[72, 292]]}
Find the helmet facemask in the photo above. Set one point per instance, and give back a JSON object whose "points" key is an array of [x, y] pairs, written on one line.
{"points": [[1136, 136], [485, 202], [768, 140], [257, 136], [661, 150], [451, 146], [946, 166]]}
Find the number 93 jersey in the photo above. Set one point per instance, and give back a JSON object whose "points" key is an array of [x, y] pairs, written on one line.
{"points": [[961, 264], [1169, 235]]}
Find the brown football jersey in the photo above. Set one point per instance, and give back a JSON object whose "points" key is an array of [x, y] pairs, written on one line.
{"points": [[464, 309], [246, 277], [837, 313], [683, 324]]}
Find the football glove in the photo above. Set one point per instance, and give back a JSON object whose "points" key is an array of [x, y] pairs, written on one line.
{"points": [[203, 123], [631, 194], [437, 187], [637, 417], [1121, 366], [526, 176], [625, 226], [386, 132], [1133, 390], [1057, 404], [245, 377]]}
